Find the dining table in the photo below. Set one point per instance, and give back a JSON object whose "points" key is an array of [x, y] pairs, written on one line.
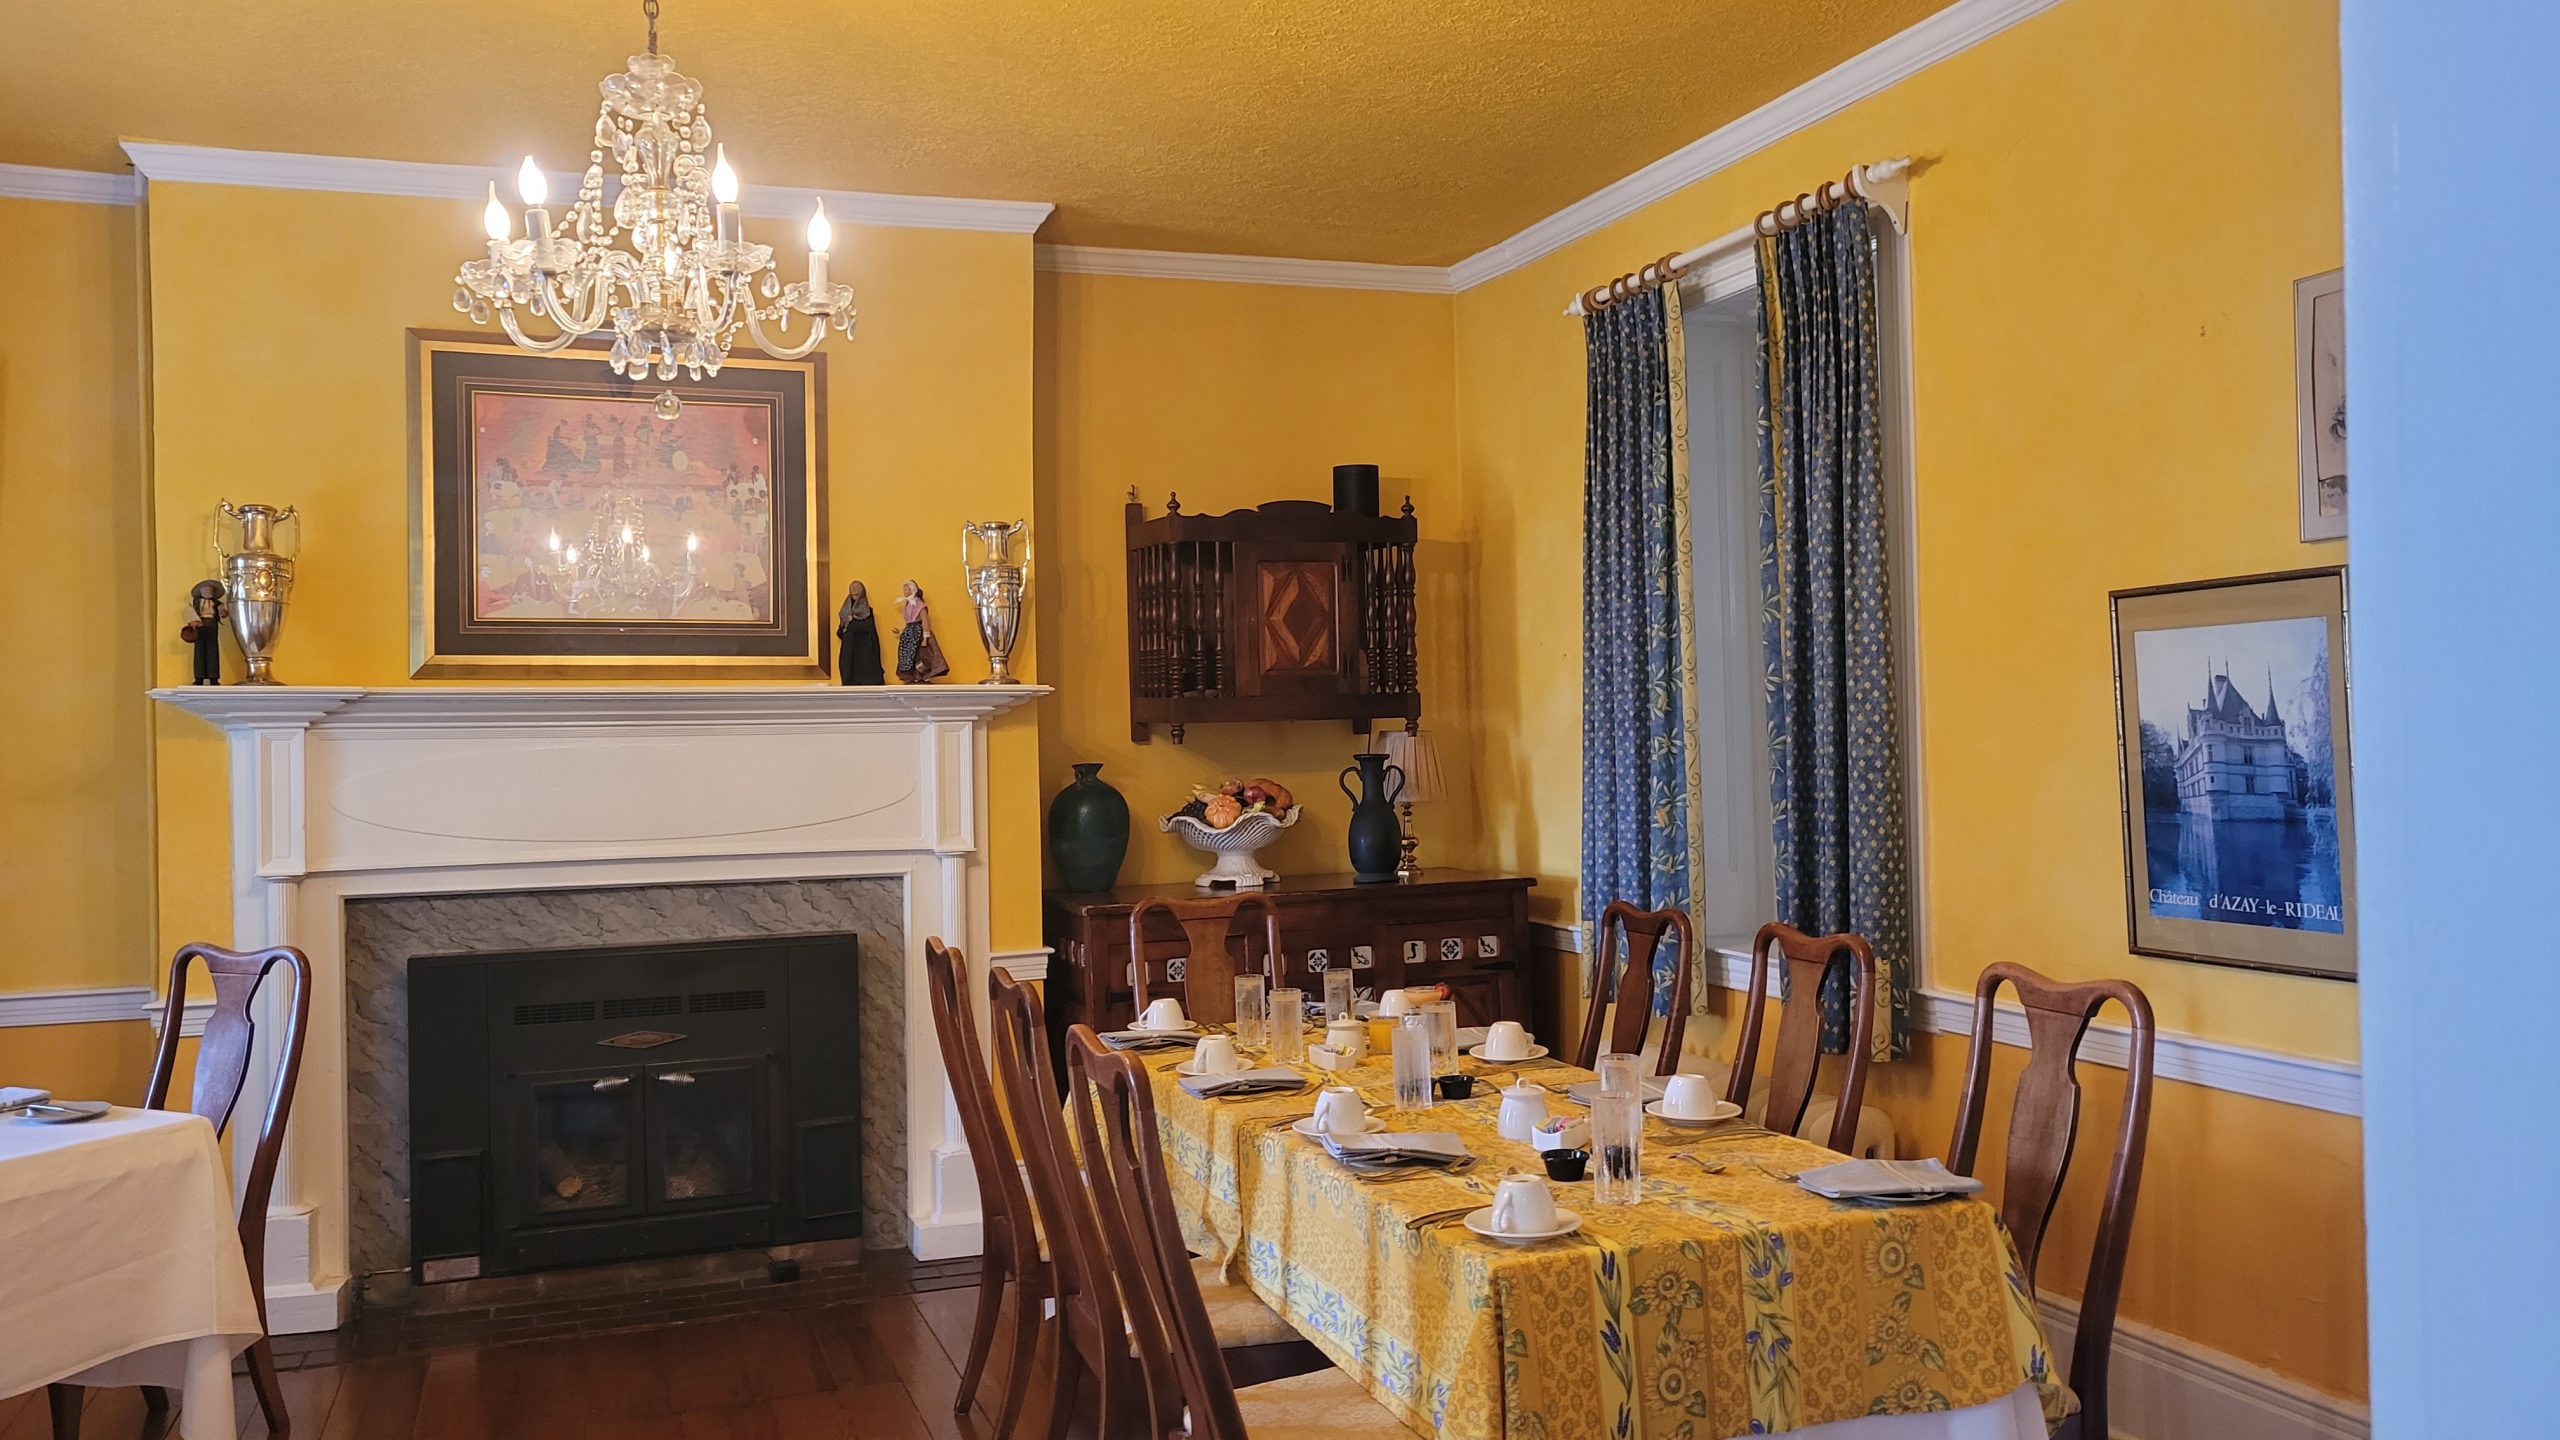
{"points": [[120, 1261], [1725, 1300]]}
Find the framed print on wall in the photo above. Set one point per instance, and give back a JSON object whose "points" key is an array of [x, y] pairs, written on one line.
{"points": [[562, 525], [2320, 402], [2231, 740]]}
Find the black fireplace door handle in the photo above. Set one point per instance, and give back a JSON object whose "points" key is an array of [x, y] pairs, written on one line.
{"points": [[611, 1082], [675, 1077]]}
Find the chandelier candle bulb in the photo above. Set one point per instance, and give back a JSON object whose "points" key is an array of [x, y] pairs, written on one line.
{"points": [[821, 234], [724, 192], [494, 218]]}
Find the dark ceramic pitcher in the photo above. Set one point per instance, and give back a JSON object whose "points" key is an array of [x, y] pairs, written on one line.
{"points": [[1377, 840]]}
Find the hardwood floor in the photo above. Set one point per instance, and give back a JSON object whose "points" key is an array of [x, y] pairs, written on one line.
{"points": [[876, 1369]]}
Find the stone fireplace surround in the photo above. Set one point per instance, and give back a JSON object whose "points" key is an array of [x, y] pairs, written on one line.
{"points": [[342, 795]]}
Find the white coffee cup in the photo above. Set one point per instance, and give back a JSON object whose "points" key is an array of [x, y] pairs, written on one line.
{"points": [[1688, 1097], [1339, 1111], [1164, 1014], [1506, 1040], [1522, 1205], [1394, 1003], [1215, 1055]]}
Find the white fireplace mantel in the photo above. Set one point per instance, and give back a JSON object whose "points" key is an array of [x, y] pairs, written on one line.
{"points": [[339, 793]]}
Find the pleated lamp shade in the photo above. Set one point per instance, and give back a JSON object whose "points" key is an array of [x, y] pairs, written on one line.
{"points": [[1413, 753]]}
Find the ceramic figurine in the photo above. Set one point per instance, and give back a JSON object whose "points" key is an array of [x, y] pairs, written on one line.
{"points": [[919, 654], [206, 610], [858, 639]]}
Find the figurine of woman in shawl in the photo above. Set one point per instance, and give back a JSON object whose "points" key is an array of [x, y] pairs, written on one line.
{"points": [[206, 609], [858, 639], [920, 659]]}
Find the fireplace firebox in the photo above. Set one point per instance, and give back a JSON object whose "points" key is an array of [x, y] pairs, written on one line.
{"points": [[571, 1107]]}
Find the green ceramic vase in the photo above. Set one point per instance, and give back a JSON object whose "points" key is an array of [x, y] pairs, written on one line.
{"points": [[1089, 832]]}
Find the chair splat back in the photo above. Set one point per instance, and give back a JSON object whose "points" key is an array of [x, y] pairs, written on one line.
{"points": [[1622, 983], [1208, 991], [2044, 1122], [955, 1029], [1796, 1060]]}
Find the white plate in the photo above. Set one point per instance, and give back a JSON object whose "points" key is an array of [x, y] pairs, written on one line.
{"points": [[1583, 1093], [1536, 1052], [66, 1112], [1369, 1125], [1481, 1222], [1192, 1069], [1187, 1027], [1724, 1110]]}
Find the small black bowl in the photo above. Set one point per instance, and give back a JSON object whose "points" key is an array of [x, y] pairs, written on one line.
{"points": [[1456, 1087], [1565, 1165]]}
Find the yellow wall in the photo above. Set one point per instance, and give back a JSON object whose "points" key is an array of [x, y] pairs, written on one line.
{"points": [[75, 873], [1230, 395], [2104, 382], [301, 399]]}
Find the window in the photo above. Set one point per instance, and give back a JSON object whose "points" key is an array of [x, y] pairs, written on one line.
{"points": [[1736, 872]]}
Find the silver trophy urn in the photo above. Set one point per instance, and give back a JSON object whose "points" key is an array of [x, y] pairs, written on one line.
{"points": [[996, 577], [258, 580]]}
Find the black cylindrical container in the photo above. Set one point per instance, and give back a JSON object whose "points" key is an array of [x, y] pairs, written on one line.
{"points": [[1355, 490]]}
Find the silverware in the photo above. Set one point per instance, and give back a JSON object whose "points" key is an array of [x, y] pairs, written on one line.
{"points": [[1434, 1217]]}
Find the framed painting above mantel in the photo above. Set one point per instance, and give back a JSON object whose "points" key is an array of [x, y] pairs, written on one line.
{"points": [[563, 524], [2235, 771]]}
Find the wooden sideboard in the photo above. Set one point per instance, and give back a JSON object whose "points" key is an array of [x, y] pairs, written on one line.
{"points": [[1466, 930]]}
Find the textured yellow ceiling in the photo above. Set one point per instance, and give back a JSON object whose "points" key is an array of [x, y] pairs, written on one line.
{"points": [[1413, 131]]}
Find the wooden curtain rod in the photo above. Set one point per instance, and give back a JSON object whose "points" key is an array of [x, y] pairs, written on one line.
{"points": [[1886, 183]]}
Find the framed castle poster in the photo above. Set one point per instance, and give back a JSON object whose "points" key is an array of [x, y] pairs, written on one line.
{"points": [[2231, 716], [571, 522]]}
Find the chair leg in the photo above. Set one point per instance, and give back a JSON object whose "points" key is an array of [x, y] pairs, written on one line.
{"points": [[155, 1398], [262, 1378], [157, 1422], [65, 1400], [982, 1332], [1026, 1340], [1062, 1390]]}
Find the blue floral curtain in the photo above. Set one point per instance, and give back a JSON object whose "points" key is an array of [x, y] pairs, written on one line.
{"points": [[1825, 560], [1640, 798]]}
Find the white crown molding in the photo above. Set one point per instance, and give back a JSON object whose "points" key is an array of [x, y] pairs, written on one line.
{"points": [[76, 187], [1243, 269], [356, 175], [106, 1004], [429, 707], [2336, 1086], [1951, 31], [2162, 1387]]}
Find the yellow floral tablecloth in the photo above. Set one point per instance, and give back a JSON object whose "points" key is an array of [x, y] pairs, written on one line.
{"points": [[1724, 1304]]}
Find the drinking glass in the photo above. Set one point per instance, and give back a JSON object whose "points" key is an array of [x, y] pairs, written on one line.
{"points": [[1250, 1030], [1337, 994], [1411, 1046], [1622, 1074], [1443, 1015], [1617, 1149], [1288, 1034]]}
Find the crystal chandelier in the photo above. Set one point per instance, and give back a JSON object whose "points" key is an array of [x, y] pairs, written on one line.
{"points": [[682, 279], [612, 571]]}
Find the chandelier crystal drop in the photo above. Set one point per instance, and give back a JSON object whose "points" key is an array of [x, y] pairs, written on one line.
{"points": [[663, 263]]}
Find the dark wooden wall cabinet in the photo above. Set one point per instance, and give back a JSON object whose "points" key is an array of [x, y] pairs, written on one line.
{"points": [[1288, 611], [1454, 927]]}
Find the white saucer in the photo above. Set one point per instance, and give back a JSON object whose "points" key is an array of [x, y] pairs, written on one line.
{"points": [[1536, 1052], [1369, 1125], [1187, 1027], [1192, 1068], [1724, 1110], [1481, 1222]]}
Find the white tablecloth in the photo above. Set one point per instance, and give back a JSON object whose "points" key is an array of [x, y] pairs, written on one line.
{"points": [[2016, 1416], [123, 1261]]}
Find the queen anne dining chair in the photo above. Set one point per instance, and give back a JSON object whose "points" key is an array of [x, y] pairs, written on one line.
{"points": [[1192, 1378], [1093, 1345], [1623, 983], [2044, 1120], [1795, 1059], [1210, 926], [223, 1055], [1013, 1249]]}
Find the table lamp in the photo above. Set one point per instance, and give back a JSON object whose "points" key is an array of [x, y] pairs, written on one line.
{"points": [[1412, 752]]}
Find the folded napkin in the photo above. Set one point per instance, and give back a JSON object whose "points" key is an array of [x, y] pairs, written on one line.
{"points": [[19, 1097], [1471, 1036], [1149, 1039], [1243, 1082], [1388, 1149], [1887, 1180]]}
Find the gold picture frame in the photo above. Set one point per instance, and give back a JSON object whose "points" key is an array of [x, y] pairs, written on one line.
{"points": [[576, 489]]}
